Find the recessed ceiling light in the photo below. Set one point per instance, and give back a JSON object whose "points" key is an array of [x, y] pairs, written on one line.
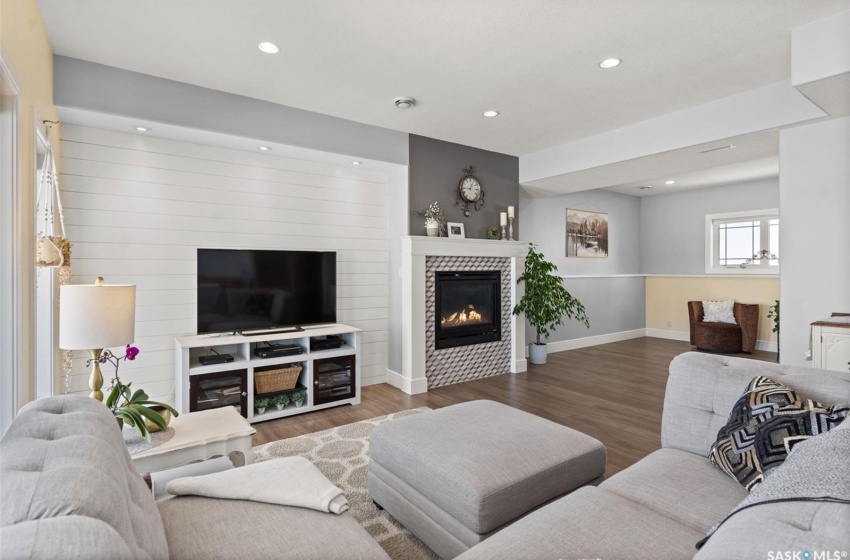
{"points": [[645, 187], [491, 113], [268, 48], [356, 163], [265, 148], [610, 63], [670, 182], [143, 129]]}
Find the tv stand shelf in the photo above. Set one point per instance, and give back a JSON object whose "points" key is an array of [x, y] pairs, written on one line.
{"points": [[193, 379]]}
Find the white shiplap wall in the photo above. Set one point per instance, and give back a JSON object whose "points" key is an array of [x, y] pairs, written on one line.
{"points": [[137, 208]]}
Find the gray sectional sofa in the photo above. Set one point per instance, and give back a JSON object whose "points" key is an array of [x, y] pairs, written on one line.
{"points": [[660, 507], [69, 490]]}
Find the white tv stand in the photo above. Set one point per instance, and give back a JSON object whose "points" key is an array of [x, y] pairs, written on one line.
{"points": [[188, 369]]}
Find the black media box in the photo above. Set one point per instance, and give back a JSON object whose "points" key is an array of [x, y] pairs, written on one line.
{"points": [[329, 342], [215, 359], [277, 350]]}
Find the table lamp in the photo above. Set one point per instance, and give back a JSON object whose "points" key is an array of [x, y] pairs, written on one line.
{"points": [[93, 317]]}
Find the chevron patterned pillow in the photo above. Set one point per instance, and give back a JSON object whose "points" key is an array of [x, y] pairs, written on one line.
{"points": [[765, 423]]}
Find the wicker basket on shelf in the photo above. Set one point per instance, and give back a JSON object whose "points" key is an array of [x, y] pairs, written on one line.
{"points": [[278, 379]]}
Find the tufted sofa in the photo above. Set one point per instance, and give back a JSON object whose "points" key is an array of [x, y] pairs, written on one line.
{"points": [[661, 506], [69, 490]]}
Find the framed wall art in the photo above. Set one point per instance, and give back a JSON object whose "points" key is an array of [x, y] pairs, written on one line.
{"points": [[587, 234]]}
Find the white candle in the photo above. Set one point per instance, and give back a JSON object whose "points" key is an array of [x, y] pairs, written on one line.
{"points": [[503, 218], [510, 212]]}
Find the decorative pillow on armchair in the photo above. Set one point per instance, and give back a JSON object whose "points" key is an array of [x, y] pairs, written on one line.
{"points": [[765, 423], [719, 312]]}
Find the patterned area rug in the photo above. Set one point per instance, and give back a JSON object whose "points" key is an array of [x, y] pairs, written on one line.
{"points": [[342, 454]]}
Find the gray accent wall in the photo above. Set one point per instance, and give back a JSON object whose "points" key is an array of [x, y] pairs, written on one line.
{"points": [[436, 167], [86, 85], [614, 304], [545, 224], [672, 226]]}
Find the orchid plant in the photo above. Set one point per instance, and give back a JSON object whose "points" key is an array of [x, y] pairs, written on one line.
{"points": [[129, 406]]}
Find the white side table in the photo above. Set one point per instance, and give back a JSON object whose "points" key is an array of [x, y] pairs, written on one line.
{"points": [[199, 436]]}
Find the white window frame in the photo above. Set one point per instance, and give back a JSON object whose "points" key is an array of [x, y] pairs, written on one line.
{"points": [[10, 361], [47, 353], [712, 244]]}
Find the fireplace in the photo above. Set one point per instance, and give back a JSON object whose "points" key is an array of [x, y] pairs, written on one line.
{"points": [[467, 308]]}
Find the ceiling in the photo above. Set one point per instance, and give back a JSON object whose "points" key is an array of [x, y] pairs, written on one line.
{"points": [[534, 61], [755, 156]]}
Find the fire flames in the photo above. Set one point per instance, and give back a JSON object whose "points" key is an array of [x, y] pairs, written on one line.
{"points": [[468, 316]]}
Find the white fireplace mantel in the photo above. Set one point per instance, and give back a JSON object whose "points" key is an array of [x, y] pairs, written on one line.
{"points": [[414, 250]]}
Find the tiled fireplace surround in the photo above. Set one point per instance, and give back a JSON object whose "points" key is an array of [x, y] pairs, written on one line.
{"points": [[423, 366]]}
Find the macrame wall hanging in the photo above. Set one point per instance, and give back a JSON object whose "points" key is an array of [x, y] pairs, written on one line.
{"points": [[53, 248]]}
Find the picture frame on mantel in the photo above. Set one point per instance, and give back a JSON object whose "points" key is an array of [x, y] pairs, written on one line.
{"points": [[587, 234], [456, 230]]}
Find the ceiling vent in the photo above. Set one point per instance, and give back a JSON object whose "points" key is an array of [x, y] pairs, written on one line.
{"points": [[717, 149], [404, 102]]}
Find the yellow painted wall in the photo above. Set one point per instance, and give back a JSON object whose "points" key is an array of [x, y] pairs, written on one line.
{"points": [[667, 298], [27, 51], [26, 47]]}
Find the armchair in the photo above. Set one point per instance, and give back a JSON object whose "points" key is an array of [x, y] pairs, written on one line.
{"points": [[725, 337]]}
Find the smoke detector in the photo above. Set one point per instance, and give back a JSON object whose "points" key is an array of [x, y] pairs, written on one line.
{"points": [[404, 102]]}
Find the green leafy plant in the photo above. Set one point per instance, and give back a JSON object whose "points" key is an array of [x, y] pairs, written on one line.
{"points": [[131, 406], [262, 402], [773, 313], [299, 397], [546, 302], [493, 233], [280, 399]]}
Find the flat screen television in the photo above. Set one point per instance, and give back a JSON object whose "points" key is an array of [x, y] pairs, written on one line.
{"points": [[257, 290]]}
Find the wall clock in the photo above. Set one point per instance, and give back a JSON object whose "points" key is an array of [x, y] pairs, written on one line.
{"points": [[469, 191]]}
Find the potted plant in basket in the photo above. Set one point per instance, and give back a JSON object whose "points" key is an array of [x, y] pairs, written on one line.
{"points": [[261, 405], [134, 407], [299, 398], [546, 302], [280, 401]]}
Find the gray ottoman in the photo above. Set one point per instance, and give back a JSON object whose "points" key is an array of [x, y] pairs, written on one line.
{"points": [[456, 475]]}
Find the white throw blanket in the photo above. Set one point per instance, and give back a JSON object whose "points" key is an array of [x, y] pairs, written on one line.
{"points": [[290, 481]]}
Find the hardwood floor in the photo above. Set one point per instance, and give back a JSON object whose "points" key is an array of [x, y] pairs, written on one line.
{"points": [[613, 392]]}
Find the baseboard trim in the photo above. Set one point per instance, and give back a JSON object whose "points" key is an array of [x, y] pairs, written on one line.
{"points": [[669, 335], [521, 366], [575, 343], [766, 345], [406, 385]]}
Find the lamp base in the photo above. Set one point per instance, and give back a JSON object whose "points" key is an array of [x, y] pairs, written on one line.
{"points": [[95, 379]]}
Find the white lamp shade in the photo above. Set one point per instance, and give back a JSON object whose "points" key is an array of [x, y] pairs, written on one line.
{"points": [[95, 316]]}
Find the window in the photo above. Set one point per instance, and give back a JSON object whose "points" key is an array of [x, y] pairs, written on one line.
{"points": [[742, 242]]}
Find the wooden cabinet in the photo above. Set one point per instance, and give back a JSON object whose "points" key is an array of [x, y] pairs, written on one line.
{"points": [[831, 343], [214, 390], [334, 379]]}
